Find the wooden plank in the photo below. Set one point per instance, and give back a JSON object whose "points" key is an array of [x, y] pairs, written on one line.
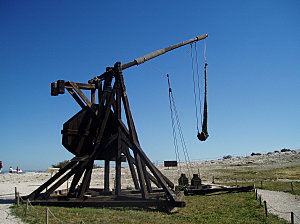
{"points": [[100, 96], [118, 165], [147, 173], [82, 158], [81, 94], [158, 175], [126, 133], [75, 180], [104, 122], [61, 181], [117, 109], [111, 203], [76, 98], [153, 180], [147, 180], [141, 176], [132, 170], [130, 145], [86, 179], [85, 86], [51, 180], [118, 103], [93, 96], [130, 123]]}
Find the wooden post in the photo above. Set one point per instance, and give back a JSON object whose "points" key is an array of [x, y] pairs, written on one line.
{"points": [[292, 187], [141, 176], [259, 200], [132, 170], [213, 179], [75, 180], [86, 179], [106, 176], [16, 195], [261, 184], [236, 182], [93, 96], [266, 209], [118, 165], [18, 199], [147, 180], [292, 218], [47, 216]]}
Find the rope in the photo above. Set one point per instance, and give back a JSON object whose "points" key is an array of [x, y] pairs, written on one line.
{"points": [[173, 126], [198, 76], [184, 148], [294, 186], [277, 210], [194, 85], [175, 121], [174, 116], [55, 216], [29, 203]]}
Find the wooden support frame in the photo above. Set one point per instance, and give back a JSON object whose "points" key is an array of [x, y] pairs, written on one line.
{"points": [[111, 139]]}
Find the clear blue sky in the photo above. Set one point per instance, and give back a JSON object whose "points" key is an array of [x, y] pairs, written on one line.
{"points": [[253, 51]]}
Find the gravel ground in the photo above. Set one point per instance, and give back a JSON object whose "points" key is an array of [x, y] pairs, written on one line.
{"points": [[282, 204]]}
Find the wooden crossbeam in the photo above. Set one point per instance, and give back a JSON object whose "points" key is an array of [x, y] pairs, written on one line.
{"points": [[81, 94], [35, 193], [76, 98], [85, 86]]}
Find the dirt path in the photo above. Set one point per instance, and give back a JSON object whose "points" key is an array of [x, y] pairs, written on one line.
{"points": [[282, 204], [5, 214]]}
